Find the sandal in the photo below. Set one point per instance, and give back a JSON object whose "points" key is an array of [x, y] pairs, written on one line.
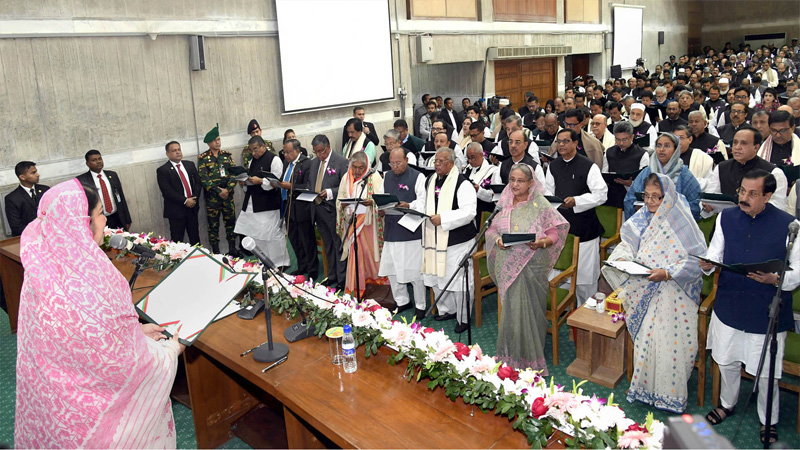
{"points": [[719, 414], [771, 433]]}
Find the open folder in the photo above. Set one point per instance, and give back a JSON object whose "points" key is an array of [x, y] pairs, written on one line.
{"points": [[629, 267], [512, 239], [770, 266], [194, 294], [718, 202], [304, 195]]}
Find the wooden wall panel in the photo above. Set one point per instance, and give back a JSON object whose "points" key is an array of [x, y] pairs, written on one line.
{"points": [[525, 10], [514, 77], [444, 9]]}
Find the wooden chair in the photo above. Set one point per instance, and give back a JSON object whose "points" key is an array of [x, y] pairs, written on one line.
{"points": [[561, 301], [707, 296], [321, 251], [611, 219], [484, 285]]}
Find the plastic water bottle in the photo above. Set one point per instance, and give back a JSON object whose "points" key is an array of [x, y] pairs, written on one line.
{"points": [[349, 350]]}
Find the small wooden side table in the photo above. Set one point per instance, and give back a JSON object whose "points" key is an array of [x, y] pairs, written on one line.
{"points": [[602, 347]]}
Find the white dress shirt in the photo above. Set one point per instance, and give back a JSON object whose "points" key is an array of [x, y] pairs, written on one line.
{"points": [[100, 191]]}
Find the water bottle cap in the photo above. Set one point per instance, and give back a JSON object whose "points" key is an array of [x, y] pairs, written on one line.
{"points": [[347, 329]]}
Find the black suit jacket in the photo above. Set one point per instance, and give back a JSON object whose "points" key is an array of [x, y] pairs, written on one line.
{"points": [[372, 136], [444, 115], [21, 209], [301, 173], [87, 179], [169, 182]]}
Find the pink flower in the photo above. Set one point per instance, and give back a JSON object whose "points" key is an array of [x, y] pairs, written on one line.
{"points": [[485, 183], [402, 186], [562, 400], [444, 352], [632, 439], [428, 330], [481, 366], [461, 351], [437, 190], [331, 171], [300, 279]]}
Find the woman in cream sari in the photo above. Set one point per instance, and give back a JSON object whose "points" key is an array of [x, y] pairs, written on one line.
{"points": [[369, 226], [661, 309]]}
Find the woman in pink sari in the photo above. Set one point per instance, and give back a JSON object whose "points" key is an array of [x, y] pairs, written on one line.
{"points": [[520, 271], [88, 374], [369, 226]]}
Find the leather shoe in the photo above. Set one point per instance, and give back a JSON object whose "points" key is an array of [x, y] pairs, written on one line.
{"points": [[328, 282], [461, 327], [297, 272], [443, 317], [420, 313], [405, 307]]}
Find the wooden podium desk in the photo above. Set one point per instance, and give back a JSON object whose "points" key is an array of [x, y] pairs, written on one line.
{"points": [[602, 347]]}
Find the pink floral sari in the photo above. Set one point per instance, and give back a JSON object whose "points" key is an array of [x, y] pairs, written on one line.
{"points": [[87, 376]]}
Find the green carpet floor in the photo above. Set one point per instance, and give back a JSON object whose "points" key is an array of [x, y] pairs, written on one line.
{"points": [[486, 336]]}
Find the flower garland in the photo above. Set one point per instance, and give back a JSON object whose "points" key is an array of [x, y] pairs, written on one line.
{"points": [[536, 406]]}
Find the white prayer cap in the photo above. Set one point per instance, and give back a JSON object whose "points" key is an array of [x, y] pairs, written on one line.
{"points": [[637, 106], [723, 80], [504, 102]]}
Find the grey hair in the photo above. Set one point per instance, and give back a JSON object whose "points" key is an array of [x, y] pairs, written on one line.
{"points": [[451, 155], [685, 92], [359, 156], [320, 139], [661, 90], [475, 146], [695, 113], [513, 119], [526, 169], [391, 133], [623, 127]]}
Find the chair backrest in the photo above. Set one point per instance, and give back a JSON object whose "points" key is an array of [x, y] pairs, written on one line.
{"points": [[796, 300], [569, 254], [608, 218], [707, 227]]}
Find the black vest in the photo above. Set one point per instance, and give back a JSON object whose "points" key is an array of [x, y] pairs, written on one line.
{"points": [[262, 200], [706, 142], [731, 173], [482, 205], [668, 125], [642, 130], [505, 166], [571, 181], [621, 162], [465, 232], [391, 185]]}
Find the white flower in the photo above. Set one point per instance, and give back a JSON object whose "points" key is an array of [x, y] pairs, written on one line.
{"points": [[340, 309], [399, 334], [362, 318]]}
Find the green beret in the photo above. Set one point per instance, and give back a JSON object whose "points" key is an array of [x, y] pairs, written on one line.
{"points": [[211, 135]]}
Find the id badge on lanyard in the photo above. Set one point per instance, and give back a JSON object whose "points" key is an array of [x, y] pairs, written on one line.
{"points": [[222, 171]]}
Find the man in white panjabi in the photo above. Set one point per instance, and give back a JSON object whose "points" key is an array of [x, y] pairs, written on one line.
{"points": [[401, 258], [447, 236], [261, 211]]}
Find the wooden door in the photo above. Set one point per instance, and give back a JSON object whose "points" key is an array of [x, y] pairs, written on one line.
{"points": [[514, 77], [580, 66]]}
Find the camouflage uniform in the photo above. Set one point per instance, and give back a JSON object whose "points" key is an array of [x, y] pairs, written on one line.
{"points": [[211, 170], [247, 156]]}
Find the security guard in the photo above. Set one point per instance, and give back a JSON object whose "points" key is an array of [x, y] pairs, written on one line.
{"points": [[218, 183], [254, 129]]}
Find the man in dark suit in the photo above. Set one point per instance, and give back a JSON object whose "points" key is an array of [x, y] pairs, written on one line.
{"points": [[327, 171], [22, 202], [450, 115], [108, 186], [368, 127], [299, 223], [179, 182]]}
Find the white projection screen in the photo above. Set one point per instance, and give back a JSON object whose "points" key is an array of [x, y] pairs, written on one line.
{"points": [[334, 53], [627, 36]]}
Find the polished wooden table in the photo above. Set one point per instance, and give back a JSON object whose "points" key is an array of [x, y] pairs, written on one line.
{"points": [[320, 405], [12, 275], [601, 347]]}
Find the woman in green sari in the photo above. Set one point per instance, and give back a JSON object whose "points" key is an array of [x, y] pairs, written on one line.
{"points": [[520, 271]]}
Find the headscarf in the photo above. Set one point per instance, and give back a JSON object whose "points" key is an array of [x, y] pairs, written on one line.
{"points": [[84, 366], [674, 166], [542, 216]]}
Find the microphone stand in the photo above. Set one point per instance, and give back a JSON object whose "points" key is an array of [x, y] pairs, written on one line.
{"points": [[464, 264], [771, 342], [273, 350], [302, 329], [352, 225], [138, 268]]}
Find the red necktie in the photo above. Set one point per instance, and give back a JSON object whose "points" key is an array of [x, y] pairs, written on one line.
{"points": [[184, 181], [106, 196]]}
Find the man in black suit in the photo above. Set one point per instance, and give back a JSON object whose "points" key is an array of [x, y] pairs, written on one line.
{"points": [[108, 186], [22, 202], [327, 171], [368, 127], [179, 182], [299, 224], [449, 114]]}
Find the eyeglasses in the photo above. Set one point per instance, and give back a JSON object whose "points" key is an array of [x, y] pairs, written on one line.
{"points": [[752, 194], [655, 198], [735, 112], [622, 139], [741, 97], [571, 125], [512, 142], [563, 141], [782, 131], [395, 164], [439, 162]]}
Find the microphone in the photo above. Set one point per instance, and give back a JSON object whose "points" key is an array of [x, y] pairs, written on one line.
{"points": [[249, 244], [118, 242], [369, 173], [794, 227], [496, 211]]}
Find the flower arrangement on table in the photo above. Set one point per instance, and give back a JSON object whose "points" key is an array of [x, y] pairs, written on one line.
{"points": [[536, 407]]}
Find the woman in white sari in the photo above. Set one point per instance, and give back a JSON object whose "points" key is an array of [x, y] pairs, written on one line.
{"points": [[661, 309]]}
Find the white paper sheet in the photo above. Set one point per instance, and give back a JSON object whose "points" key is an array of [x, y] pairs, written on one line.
{"points": [[718, 205], [307, 197], [411, 222], [629, 267]]}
